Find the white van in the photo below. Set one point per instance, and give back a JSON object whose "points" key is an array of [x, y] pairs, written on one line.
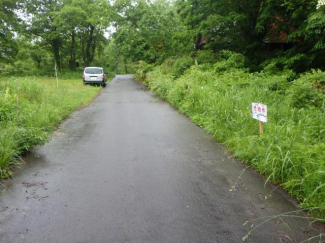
{"points": [[94, 75]]}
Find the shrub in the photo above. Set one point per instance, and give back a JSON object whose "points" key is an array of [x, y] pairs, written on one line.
{"points": [[229, 60], [205, 57], [274, 65], [299, 63], [181, 64], [142, 68], [304, 92], [278, 82]]}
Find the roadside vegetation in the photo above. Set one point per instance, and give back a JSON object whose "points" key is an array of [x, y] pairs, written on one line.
{"points": [[219, 98], [31, 108]]}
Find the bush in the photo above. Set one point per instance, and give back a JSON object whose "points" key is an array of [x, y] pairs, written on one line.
{"points": [[142, 68], [181, 64], [205, 57], [307, 90], [299, 63], [229, 60], [274, 65], [278, 83]]}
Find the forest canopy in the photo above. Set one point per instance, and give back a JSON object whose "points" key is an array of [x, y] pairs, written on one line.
{"points": [[35, 34]]}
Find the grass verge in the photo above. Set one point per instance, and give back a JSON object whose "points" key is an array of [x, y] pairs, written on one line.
{"points": [[292, 150], [31, 108]]}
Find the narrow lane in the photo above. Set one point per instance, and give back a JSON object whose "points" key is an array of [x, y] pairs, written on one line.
{"points": [[130, 168]]}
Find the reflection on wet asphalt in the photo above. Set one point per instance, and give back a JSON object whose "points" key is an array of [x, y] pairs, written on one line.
{"points": [[130, 168]]}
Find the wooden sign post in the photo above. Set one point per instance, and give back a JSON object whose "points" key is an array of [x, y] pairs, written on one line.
{"points": [[261, 128], [259, 112]]}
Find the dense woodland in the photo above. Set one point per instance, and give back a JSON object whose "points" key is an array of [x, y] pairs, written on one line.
{"points": [[35, 34], [209, 58]]}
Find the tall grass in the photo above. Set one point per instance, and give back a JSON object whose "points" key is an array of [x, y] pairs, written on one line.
{"points": [[292, 150], [31, 108]]}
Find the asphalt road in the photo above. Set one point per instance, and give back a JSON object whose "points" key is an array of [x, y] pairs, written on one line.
{"points": [[130, 168]]}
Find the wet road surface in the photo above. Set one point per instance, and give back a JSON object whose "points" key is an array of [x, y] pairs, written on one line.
{"points": [[130, 168]]}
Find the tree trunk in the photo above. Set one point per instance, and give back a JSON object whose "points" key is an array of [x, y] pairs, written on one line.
{"points": [[92, 53], [198, 44], [73, 52], [56, 52], [83, 55], [88, 46]]}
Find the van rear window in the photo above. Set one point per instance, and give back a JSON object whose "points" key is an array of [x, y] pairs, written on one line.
{"points": [[93, 71]]}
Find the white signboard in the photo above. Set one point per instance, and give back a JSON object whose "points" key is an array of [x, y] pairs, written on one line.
{"points": [[259, 112]]}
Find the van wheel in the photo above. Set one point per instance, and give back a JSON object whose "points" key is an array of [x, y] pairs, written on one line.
{"points": [[104, 85]]}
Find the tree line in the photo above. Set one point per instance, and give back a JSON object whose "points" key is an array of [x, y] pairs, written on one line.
{"points": [[34, 34]]}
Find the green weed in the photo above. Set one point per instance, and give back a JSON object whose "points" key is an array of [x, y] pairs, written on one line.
{"points": [[291, 152], [31, 108]]}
